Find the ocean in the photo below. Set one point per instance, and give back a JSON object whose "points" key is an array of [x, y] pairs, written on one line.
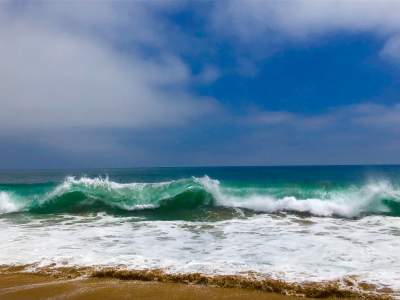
{"points": [[295, 224]]}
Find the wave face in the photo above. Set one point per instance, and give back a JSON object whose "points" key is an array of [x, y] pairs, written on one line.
{"points": [[199, 196]]}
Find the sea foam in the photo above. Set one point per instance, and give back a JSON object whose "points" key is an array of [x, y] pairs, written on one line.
{"points": [[350, 202], [84, 194], [7, 204]]}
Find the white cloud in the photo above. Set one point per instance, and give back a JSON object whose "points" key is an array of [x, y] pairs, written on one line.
{"points": [[271, 118], [269, 22], [61, 68], [365, 116], [208, 75], [391, 50]]}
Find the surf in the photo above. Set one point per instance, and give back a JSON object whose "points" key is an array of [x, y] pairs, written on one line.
{"points": [[85, 194]]}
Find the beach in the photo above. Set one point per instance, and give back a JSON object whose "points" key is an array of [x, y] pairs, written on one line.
{"points": [[33, 286], [186, 149], [51, 282]]}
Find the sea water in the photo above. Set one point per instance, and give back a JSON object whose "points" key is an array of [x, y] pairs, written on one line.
{"points": [[292, 223]]}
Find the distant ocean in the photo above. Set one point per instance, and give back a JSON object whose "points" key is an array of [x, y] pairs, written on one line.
{"points": [[292, 223]]}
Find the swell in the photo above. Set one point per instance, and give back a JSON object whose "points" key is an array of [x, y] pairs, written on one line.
{"points": [[195, 194]]}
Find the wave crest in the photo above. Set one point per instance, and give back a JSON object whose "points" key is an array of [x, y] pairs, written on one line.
{"points": [[87, 194], [7, 204], [379, 197]]}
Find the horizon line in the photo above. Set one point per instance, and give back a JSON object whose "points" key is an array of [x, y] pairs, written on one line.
{"points": [[206, 166]]}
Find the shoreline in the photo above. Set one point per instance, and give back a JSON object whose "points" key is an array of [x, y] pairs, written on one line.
{"points": [[21, 281], [36, 287]]}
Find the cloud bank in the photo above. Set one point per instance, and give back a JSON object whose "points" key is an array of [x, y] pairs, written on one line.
{"points": [[62, 69]]}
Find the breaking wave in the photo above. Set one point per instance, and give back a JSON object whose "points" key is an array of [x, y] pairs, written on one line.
{"points": [[102, 194]]}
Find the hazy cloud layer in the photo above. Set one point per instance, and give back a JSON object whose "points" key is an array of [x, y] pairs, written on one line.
{"points": [[367, 115], [61, 68]]}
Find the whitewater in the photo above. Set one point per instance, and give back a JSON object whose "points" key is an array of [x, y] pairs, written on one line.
{"points": [[85, 193], [294, 227]]}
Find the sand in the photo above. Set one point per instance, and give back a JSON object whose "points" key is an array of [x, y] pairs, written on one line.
{"points": [[33, 286]]}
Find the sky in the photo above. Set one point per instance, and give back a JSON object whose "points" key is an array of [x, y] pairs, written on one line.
{"points": [[199, 83]]}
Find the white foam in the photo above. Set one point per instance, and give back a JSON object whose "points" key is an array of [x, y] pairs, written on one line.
{"points": [[104, 182], [290, 247], [350, 202], [7, 205]]}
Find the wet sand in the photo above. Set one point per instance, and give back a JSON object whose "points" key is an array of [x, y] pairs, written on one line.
{"points": [[33, 286]]}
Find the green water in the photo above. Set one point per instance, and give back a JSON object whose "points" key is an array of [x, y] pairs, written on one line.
{"points": [[204, 193]]}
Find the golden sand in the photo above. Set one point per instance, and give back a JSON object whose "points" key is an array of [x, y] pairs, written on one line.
{"points": [[33, 286], [119, 283]]}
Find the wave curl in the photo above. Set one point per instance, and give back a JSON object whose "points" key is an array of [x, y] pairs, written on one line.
{"points": [[87, 194]]}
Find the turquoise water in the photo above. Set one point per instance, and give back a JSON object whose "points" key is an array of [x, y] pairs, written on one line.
{"points": [[205, 193]]}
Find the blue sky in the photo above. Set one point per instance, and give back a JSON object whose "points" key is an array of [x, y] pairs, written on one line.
{"points": [[173, 83]]}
